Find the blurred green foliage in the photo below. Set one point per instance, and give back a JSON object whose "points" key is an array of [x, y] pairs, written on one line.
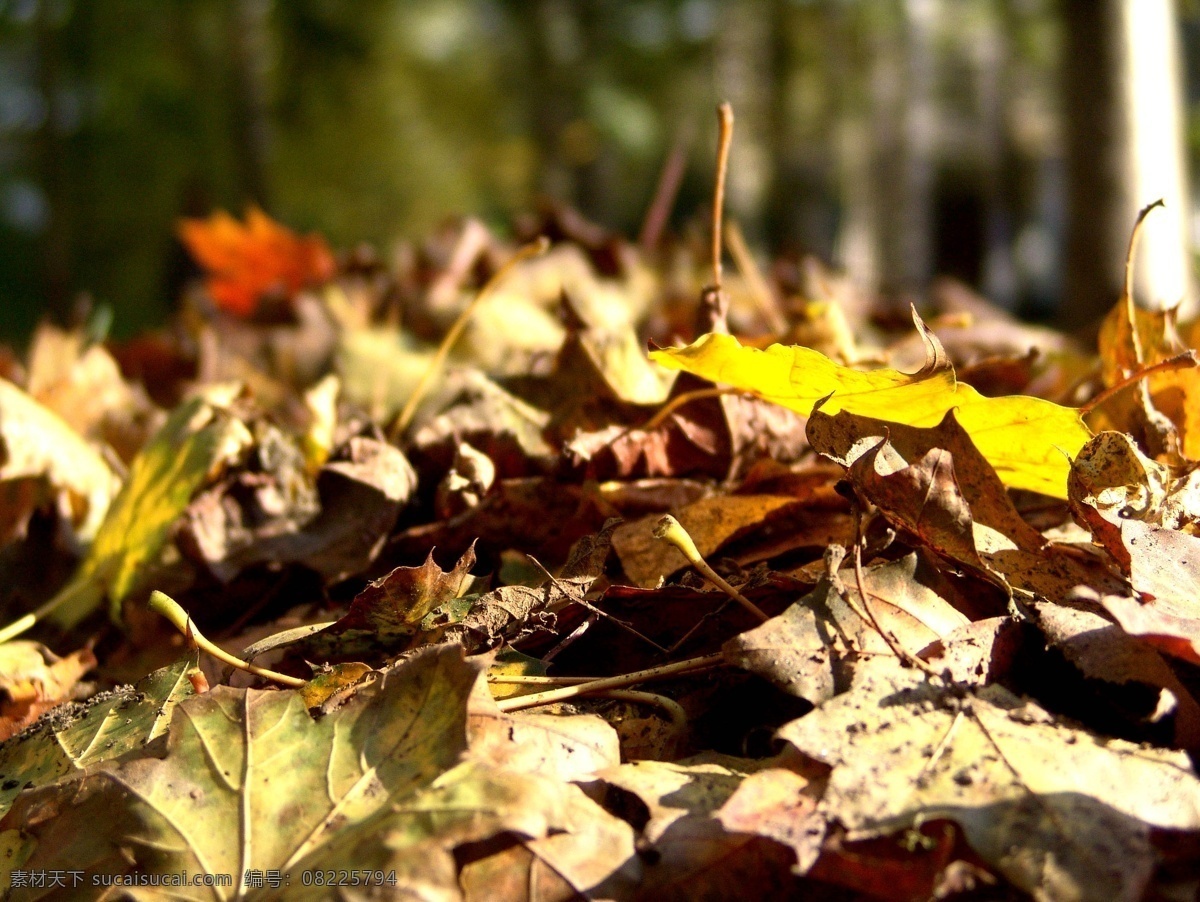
{"points": [[364, 120]]}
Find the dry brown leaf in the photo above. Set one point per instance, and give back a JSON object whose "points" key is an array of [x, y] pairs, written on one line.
{"points": [[712, 522]]}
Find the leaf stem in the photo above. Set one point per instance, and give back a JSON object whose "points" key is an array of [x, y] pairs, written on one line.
{"points": [[671, 530], [163, 604], [892, 642], [77, 587], [563, 693]]}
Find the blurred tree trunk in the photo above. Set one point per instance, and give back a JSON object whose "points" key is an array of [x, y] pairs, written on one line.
{"points": [[51, 162], [1000, 166], [1122, 99], [249, 43], [745, 54], [889, 156]]}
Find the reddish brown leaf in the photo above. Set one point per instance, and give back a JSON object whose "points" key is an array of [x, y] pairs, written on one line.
{"points": [[247, 262]]}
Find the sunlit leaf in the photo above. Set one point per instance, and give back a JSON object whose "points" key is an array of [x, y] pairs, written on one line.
{"points": [[1029, 441], [197, 438], [107, 727], [35, 441], [251, 781]]}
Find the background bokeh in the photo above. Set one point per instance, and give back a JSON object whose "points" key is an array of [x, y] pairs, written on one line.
{"points": [[373, 120]]}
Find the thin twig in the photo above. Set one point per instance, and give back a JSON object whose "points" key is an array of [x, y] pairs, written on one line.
{"points": [[570, 639], [724, 141], [678, 717], [79, 586], [563, 693], [533, 249], [897, 649], [671, 530], [679, 401], [941, 746], [1130, 308], [711, 615], [760, 292], [621, 624], [665, 192], [1183, 361], [669, 408]]}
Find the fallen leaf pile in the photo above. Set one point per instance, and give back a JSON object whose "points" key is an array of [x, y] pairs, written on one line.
{"points": [[354, 582]]}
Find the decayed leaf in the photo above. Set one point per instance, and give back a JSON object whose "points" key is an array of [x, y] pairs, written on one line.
{"points": [[388, 612], [1138, 513], [198, 438], [246, 263], [1046, 805], [509, 613], [698, 854], [1028, 441], [80, 736], [812, 648], [935, 485], [36, 442], [981, 652]]}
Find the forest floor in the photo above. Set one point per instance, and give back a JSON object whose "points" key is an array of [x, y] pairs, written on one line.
{"points": [[422, 578]]}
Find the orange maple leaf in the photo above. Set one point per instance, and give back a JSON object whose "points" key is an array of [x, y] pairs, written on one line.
{"points": [[246, 263]]}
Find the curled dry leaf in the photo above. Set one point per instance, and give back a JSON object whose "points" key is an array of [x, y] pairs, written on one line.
{"points": [[934, 484], [386, 614], [1174, 393]]}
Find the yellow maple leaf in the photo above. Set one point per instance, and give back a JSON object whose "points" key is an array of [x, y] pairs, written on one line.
{"points": [[1029, 441]]}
